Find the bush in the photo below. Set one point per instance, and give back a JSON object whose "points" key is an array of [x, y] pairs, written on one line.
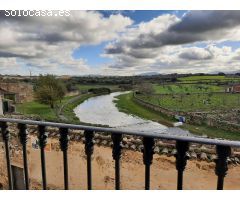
{"points": [[99, 90]]}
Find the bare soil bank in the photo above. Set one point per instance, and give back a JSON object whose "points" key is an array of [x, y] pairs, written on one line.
{"points": [[198, 174]]}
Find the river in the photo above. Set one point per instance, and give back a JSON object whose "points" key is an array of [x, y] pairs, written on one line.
{"points": [[103, 111]]}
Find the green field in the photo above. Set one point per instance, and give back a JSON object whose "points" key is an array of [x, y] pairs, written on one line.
{"points": [[209, 79], [37, 110], [186, 88], [195, 102], [197, 78], [43, 111], [125, 103]]}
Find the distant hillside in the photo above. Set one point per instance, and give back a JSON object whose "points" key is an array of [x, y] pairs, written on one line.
{"points": [[148, 74]]}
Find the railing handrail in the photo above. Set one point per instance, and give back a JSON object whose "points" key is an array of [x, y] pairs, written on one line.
{"points": [[191, 139]]}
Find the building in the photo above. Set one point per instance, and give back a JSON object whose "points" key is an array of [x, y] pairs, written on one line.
{"points": [[7, 100], [7, 95], [18, 92], [233, 89]]}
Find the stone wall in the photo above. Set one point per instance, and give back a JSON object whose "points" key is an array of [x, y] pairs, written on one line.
{"points": [[221, 124], [196, 118], [129, 142], [23, 91], [162, 110]]}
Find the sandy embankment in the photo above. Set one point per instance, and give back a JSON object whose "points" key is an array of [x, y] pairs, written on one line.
{"points": [[198, 174]]}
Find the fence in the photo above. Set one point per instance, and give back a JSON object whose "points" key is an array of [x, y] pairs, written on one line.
{"points": [[223, 150]]}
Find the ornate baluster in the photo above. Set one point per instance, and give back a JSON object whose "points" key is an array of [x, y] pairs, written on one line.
{"points": [[89, 151], [23, 139], [6, 136], [181, 161], [64, 138], [42, 143], [148, 144], [116, 153], [223, 152]]}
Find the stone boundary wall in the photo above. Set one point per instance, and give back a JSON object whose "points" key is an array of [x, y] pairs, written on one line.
{"points": [[162, 110], [186, 93], [196, 118], [133, 143]]}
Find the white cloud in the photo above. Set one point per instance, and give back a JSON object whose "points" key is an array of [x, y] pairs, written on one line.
{"points": [[196, 53], [47, 43], [168, 44]]}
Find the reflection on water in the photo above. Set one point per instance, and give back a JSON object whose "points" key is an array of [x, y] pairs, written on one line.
{"points": [[102, 110]]}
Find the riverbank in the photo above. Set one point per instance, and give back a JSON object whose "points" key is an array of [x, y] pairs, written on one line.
{"points": [[63, 112], [67, 110], [125, 103]]}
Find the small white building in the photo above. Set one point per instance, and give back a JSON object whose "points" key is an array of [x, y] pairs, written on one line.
{"points": [[1, 105]]}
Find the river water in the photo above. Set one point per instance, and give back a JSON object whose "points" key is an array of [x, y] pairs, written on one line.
{"points": [[102, 110]]}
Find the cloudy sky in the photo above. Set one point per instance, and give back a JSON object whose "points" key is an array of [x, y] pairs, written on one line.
{"points": [[121, 43]]}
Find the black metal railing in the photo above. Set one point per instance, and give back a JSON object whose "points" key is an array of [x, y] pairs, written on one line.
{"points": [[223, 150]]}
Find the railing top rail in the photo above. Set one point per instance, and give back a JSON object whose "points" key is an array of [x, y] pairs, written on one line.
{"points": [[116, 131]]}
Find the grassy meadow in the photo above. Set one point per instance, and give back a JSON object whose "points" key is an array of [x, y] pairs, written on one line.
{"points": [[45, 112], [195, 102], [208, 79], [186, 88], [37, 109]]}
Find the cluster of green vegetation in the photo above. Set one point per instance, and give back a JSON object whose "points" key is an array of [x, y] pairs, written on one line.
{"points": [[186, 88], [100, 90], [195, 102], [125, 103]]}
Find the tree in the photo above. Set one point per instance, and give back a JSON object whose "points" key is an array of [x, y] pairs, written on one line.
{"points": [[70, 86], [146, 88], [48, 90]]}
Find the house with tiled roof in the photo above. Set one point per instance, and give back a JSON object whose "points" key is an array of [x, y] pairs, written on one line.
{"points": [[233, 89]]}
